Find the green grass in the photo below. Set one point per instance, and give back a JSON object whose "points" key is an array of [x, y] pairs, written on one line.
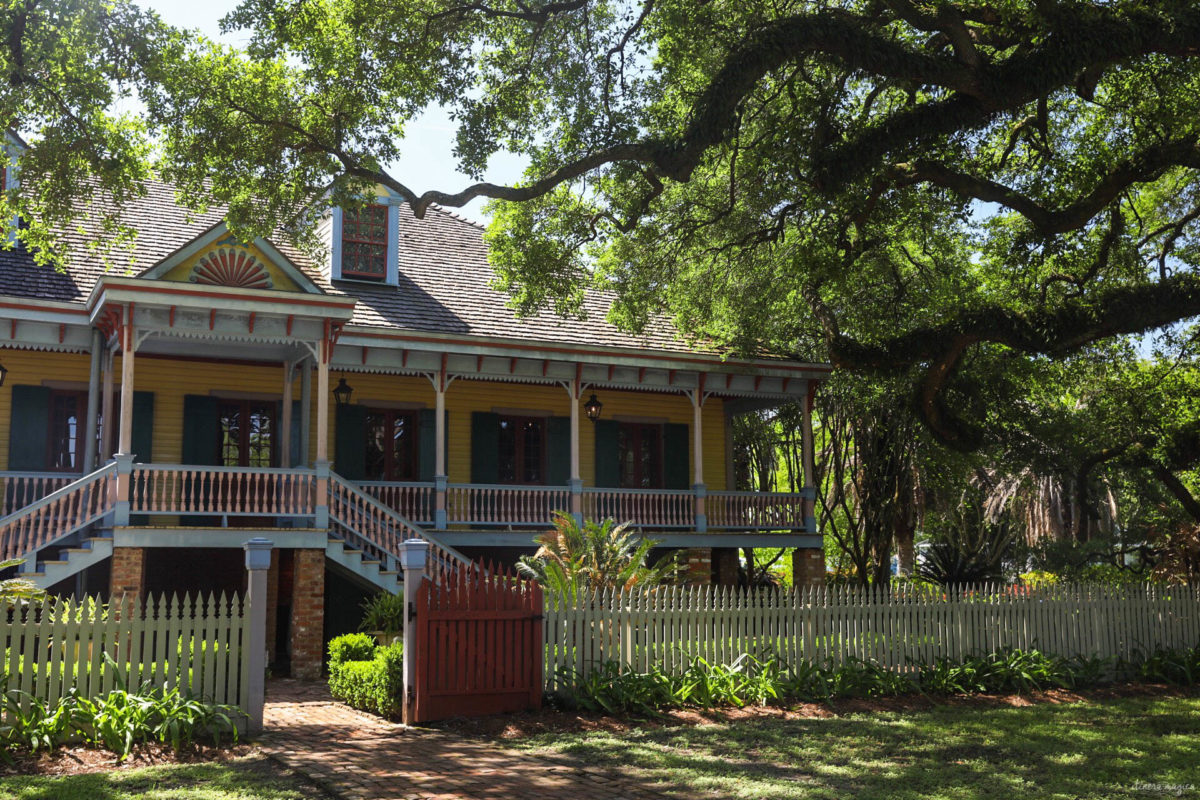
{"points": [[1102, 749], [252, 778]]}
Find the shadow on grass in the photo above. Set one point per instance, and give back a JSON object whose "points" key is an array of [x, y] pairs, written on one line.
{"points": [[1082, 750], [254, 777]]}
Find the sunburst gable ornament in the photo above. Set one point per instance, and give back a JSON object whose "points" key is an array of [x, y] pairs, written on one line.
{"points": [[228, 266]]}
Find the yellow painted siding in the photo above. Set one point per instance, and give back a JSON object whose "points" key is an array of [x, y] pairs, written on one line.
{"points": [[171, 380], [280, 280]]}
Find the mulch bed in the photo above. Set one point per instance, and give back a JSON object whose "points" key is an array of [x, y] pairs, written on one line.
{"points": [[551, 720], [78, 760]]}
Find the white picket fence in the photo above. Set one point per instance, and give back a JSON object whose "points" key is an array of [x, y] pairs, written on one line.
{"points": [[669, 626], [197, 644]]}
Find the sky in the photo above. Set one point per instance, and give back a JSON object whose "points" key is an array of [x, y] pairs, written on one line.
{"points": [[427, 161]]}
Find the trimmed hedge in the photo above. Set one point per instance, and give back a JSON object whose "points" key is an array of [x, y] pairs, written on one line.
{"points": [[366, 676]]}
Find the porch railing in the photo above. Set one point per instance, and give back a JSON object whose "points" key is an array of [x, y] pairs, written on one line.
{"points": [[488, 504], [412, 499], [58, 514], [755, 510], [23, 488], [222, 491], [658, 508]]}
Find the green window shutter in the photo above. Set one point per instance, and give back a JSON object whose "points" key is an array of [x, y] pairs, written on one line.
{"points": [[201, 430], [295, 458], [608, 456], [558, 451], [29, 428], [676, 458], [485, 447], [350, 448], [426, 433], [143, 427]]}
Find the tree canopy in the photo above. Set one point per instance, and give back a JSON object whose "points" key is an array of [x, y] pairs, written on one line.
{"points": [[983, 202]]}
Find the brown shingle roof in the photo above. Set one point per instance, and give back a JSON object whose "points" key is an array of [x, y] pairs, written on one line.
{"points": [[444, 278]]}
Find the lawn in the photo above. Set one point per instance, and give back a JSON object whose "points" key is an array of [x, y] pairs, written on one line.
{"points": [[251, 778], [1113, 748]]}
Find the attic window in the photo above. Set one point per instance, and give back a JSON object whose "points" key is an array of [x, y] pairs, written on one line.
{"points": [[364, 243]]}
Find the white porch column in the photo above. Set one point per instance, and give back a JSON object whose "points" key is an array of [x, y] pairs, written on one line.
{"points": [[698, 487], [93, 403], [124, 457], [285, 417], [125, 437], [575, 483], [323, 406], [807, 455], [440, 479], [305, 409]]}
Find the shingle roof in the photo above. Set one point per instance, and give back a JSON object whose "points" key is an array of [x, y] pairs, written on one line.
{"points": [[443, 288]]}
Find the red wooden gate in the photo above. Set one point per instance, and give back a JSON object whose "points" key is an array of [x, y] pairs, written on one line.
{"points": [[478, 644]]}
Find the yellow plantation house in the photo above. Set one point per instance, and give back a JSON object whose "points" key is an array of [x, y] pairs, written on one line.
{"points": [[158, 412]]}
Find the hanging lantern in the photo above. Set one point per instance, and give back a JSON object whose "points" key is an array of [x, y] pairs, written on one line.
{"points": [[592, 408], [342, 392]]}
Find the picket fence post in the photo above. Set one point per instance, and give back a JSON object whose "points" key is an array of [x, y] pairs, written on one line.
{"points": [[413, 557], [254, 621]]}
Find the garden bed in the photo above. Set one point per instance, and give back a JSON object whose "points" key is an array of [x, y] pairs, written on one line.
{"points": [[74, 760]]}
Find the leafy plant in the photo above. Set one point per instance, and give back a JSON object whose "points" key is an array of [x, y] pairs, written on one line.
{"points": [[574, 558], [383, 613], [18, 590], [1180, 667], [350, 647]]}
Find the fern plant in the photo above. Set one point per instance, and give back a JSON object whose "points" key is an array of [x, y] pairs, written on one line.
{"points": [[574, 558]]}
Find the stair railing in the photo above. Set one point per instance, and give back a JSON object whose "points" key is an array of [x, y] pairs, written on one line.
{"points": [[58, 515], [378, 530]]}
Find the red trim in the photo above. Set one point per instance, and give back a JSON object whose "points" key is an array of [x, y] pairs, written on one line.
{"points": [[757, 382], [212, 318], [442, 373], [479, 363], [290, 319], [641, 374], [29, 307], [12, 334], [670, 377], [610, 371], [252, 315], [171, 317], [545, 367], [512, 366], [404, 358], [364, 354], [62, 332]]}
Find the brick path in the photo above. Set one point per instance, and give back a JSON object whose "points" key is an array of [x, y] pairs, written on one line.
{"points": [[361, 757]]}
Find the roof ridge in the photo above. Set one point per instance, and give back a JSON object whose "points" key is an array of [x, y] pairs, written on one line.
{"points": [[458, 216]]}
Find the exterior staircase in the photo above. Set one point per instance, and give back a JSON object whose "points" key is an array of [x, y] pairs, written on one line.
{"points": [[73, 525]]}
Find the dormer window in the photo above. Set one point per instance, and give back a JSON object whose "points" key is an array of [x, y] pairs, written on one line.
{"points": [[365, 243]]}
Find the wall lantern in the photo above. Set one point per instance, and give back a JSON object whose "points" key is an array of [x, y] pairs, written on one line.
{"points": [[3, 373], [342, 392], [592, 408]]}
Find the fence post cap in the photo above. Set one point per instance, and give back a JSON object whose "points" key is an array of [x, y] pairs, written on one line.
{"points": [[258, 553], [413, 553]]}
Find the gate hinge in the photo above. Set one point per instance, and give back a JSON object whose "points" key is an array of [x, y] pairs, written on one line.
{"points": [[412, 611]]}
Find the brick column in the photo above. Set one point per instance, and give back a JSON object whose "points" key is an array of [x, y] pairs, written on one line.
{"points": [[725, 566], [128, 576], [308, 613], [697, 565], [808, 567]]}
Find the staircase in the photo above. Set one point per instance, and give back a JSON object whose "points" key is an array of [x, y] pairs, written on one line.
{"points": [[364, 536]]}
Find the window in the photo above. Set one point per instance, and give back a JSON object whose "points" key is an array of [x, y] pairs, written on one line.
{"points": [[247, 433], [522, 450], [640, 449], [364, 243], [391, 450], [65, 446]]}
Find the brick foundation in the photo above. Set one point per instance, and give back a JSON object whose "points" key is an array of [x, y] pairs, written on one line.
{"points": [[697, 566], [128, 575], [808, 567], [308, 613], [725, 566]]}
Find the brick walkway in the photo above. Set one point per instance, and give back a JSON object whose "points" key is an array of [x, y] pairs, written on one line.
{"points": [[359, 756]]}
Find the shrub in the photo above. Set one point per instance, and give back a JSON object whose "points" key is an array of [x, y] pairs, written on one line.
{"points": [[375, 684], [350, 647], [1180, 667]]}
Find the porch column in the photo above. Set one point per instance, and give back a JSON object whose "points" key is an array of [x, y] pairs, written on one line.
{"points": [[106, 407], [285, 417], [698, 487], [93, 403], [305, 409], [575, 483], [124, 457], [325, 351], [810, 468], [440, 479]]}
